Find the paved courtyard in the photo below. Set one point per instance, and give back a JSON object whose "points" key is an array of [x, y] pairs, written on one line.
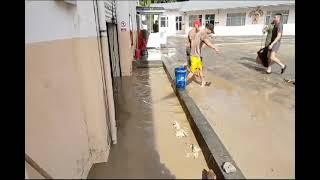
{"points": [[253, 113]]}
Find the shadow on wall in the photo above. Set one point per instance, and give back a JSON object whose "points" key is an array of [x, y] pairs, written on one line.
{"points": [[135, 155]]}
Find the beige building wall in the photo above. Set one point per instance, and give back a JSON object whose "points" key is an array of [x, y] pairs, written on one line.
{"points": [[126, 50], [66, 111]]}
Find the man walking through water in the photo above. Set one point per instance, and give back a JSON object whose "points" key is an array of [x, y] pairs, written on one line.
{"points": [[191, 35], [196, 44], [275, 44]]}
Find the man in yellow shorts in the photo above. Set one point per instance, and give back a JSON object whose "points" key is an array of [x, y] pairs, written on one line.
{"points": [[191, 35], [201, 38], [196, 65]]}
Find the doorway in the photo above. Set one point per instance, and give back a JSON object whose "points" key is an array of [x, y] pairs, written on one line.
{"points": [[113, 44], [209, 19], [178, 23], [113, 50]]}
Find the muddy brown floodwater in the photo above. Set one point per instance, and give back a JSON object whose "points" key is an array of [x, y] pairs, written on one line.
{"points": [[258, 132], [147, 145], [253, 113]]}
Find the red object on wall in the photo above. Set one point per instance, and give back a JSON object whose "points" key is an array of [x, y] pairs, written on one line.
{"points": [[142, 42], [138, 54]]}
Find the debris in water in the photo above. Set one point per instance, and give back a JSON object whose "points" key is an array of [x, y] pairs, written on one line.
{"points": [[181, 133], [146, 102], [229, 168], [288, 80], [194, 151], [176, 125]]}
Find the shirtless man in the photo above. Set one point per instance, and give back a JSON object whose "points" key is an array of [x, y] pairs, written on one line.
{"points": [[200, 38], [192, 33]]}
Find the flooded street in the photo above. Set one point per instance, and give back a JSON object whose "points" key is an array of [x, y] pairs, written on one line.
{"points": [[106, 92], [147, 144], [253, 113]]}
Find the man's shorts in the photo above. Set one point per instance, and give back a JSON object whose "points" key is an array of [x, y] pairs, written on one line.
{"points": [[276, 47], [196, 64]]}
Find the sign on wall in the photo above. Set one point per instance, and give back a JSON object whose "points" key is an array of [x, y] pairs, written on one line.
{"points": [[123, 26]]}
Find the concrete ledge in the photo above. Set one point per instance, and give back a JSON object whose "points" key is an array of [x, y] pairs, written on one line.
{"points": [[147, 64], [213, 149]]}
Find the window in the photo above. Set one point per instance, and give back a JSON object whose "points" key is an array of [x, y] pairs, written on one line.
{"points": [[284, 18], [179, 23], [163, 21], [236, 19], [209, 18], [192, 18]]}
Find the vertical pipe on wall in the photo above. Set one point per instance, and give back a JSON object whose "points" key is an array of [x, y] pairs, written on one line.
{"points": [[107, 73]]}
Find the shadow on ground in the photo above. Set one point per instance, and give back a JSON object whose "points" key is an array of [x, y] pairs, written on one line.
{"points": [[254, 67], [247, 58]]}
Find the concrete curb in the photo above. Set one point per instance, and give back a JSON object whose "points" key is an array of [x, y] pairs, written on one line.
{"points": [[213, 150], [147, 64]]}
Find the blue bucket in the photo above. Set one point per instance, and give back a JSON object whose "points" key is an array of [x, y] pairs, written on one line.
{"points": [[181, 78]]}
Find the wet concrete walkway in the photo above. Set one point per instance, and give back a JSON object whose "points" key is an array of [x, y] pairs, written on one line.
{"points": [[147, 144], [252, 113]]}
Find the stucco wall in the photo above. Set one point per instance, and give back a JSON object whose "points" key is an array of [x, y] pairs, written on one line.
{"points": [[66, 130], [126, 50]]}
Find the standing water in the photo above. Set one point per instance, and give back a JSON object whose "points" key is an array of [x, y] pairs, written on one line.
{"points": [[147, 145]]}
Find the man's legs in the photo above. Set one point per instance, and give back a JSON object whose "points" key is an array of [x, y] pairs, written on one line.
{"points": [[203, 83], [190, 76], [188, 63], [192, 68], [273, 58]]}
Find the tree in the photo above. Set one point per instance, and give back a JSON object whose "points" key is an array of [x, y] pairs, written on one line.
{"points": [[145, 3]]}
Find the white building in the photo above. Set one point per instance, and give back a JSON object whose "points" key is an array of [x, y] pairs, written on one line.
{"points": [[231, 18]]}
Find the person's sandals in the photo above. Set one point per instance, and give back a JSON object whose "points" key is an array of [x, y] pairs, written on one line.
{"points": [[283, 69]]}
